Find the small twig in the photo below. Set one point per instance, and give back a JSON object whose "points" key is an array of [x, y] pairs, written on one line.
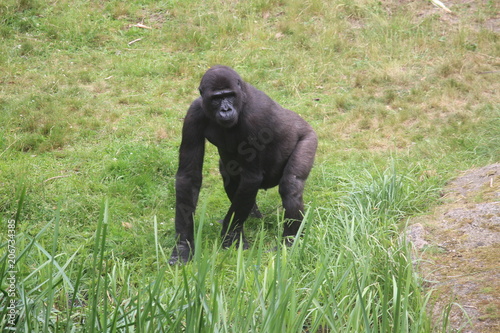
{"points": [[56, 177], [134, 41], [441, 5], [488, 72], [140, 25]]}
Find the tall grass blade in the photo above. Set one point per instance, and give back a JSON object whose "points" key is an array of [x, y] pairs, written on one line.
{"points": [[361, 301], [157, 244], [50, 299], [20, 202], [98, 266], [74, 296]]}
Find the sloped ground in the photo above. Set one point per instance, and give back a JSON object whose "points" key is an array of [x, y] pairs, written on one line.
{"points": [[459, 246]]}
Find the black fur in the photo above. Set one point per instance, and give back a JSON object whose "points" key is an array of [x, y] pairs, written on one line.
{"points": [[261, 145]]}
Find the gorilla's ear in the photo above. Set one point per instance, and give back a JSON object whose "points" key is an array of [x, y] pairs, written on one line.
{"points": [[201, 92], [243, 93]]}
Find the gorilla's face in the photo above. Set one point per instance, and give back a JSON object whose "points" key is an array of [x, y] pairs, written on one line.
{"points": [[223, 107], [222, 95]]}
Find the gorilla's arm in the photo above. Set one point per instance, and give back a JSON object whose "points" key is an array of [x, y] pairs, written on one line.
{"points": [[188, 180]]}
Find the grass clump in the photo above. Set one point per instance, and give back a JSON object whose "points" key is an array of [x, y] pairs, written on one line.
{"points": [[402, 97], [350, 272]]}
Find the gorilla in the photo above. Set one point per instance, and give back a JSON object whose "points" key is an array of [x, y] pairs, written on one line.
{"points": [[260, 144]]}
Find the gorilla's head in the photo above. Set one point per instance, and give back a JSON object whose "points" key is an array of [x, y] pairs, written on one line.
{"points": [[221, 89]]}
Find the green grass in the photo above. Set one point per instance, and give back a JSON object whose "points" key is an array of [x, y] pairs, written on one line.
{"points": [[327, 279], [402, 96]]}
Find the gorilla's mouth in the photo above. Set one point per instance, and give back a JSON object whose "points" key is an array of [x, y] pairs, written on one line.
{"points": [[227, 118]]}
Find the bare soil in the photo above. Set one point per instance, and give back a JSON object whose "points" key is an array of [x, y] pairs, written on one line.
{"points": [[459, 250]]}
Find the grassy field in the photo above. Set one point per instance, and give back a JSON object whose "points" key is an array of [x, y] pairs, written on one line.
{"points": [[402, 94]]}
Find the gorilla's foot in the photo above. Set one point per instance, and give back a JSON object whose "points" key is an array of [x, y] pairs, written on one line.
{"points": [[182, 253], [234, 237], [256, 212], [287, 241]]}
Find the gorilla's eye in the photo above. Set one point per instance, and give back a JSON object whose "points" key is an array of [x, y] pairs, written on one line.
{"points": [[216, 100]]}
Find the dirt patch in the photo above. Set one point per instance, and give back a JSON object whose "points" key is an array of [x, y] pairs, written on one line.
{"points": [[459, 248]]}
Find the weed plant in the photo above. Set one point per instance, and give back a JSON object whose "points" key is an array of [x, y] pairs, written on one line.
{"points": [[350, 272], [403, 97]]}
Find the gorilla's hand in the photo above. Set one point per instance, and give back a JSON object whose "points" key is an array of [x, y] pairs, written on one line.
{"points": [[183, 251]]}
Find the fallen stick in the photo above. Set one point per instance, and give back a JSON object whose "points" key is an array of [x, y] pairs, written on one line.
{"points": [[140, 25], [56, 177], [134, 41]]}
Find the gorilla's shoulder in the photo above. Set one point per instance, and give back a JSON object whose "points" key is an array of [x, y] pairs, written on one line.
{"points": [[196, 106], [259, 97], [198, 102], [195, 111]]}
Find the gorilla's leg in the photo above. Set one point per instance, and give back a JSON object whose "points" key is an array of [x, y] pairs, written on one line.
{"points": [[231, 185], [230, 182], [292, 183], [232, 230], [256, 212]]}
